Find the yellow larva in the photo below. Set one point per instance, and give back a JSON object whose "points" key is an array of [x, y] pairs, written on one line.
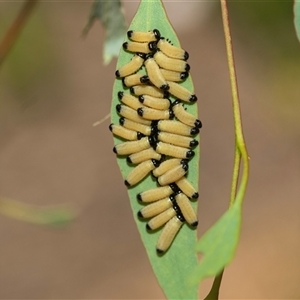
{"points": [[131, 114], [156, 208], [176, 139], [174, 76], [136, 47], [173, 174], [125, 133], [144, 129], [148, 90], [181, 92], [157, 193], [168, 234], [155, 114], [138, 36], [172, 64], [140, 172], [161, 219], [185, 117], [131, 67], [154, 74], [153, 102], [186, 209], [135, 79], [143, 155], [130, 147], [168, 49], [187, 188], [129, 100], [176, 127], [173, 151], [166, 166]]}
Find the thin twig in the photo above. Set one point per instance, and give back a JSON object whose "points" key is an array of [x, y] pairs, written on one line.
{"points": [[15, 28]]}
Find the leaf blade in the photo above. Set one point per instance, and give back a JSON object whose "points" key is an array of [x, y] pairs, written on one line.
{"points": [[173, 268]]}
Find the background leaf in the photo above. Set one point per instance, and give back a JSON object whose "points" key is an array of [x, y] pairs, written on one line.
{"points": [[173, 268], [218, 244], [297, 17], [112, 18]]}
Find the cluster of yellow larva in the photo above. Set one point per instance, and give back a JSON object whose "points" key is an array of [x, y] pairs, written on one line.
{"points": [[158, 133]]}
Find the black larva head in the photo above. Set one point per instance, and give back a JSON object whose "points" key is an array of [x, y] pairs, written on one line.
{"points": [[185, 167], [165, 87], [144, 79], [139, 135], [132, 90], [115, 150], [117, 73], [180, 217], [127, 183], [194, 143], [184, 75], [122, 121], [123, 82], [176, 102], [156, 33], [140, 215], [129, 33], [195, 196], [166, 94], [148, 227], [186, 56], [141, 99], [187, 67], [171, 114], [111, 126], [118, 107], [140, 111], [125, 45], [155, 162], [159, 251], [193, 98], [152, 46], [128, 159], [194, 130], [190, 154], [198, 124], [120, 95], [174, 187], [194, 224], [152, 142], [142, 55], [139, 197]]}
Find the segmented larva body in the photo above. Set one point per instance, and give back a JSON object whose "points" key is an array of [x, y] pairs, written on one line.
{"points": [[156, 131]]}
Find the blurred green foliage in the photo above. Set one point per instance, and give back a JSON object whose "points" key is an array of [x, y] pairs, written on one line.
{"points": [[32, 58]]}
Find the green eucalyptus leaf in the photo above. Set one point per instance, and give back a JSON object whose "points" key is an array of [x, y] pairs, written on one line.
{"points": [[297, 17], [50, 216], [111, 15], [172, 268], [218, 244]]}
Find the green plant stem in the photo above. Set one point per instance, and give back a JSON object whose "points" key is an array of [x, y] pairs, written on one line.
{"points": [[15, 29], [240, 146]]}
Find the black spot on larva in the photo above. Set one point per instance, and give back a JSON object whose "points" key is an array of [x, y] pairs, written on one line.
{"points": [[171, 114]]}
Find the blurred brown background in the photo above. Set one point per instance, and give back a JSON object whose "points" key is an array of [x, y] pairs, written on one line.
{"points": [[54, 86]]}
